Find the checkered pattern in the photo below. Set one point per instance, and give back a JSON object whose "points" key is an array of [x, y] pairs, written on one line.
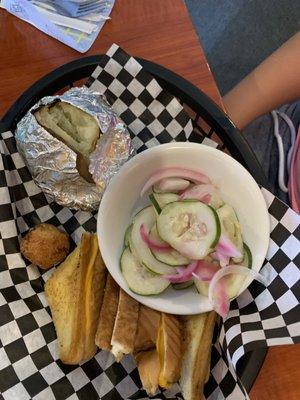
{"points": [[29, 364], [223, 380], [264, 317], [152, 115]]}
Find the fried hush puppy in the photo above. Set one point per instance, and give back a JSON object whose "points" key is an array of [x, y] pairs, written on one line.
{"points": [[45, 245]]}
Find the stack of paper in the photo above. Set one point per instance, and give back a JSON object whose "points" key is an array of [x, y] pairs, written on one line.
{"points": [[76, 23], [81, 7]]}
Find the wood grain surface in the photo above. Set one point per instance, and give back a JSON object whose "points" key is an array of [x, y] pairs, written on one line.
{"points": [[279, 378], [160, 31]]}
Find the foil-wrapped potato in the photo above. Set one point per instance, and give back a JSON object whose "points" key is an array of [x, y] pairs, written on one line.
{"points": [[73, 126], [73, 144]]}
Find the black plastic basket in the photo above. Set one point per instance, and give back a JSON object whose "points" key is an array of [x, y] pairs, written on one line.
{"points": [[200, 108]]}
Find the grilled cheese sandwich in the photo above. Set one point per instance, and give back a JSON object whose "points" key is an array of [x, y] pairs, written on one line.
{"points": [[107, 314], [148, 367], [74, 293], [147, 329], [169, 349], [123, 337], [198, 332]]}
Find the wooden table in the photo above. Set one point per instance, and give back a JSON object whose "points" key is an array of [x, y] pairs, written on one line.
{"points": [[160, 31]]}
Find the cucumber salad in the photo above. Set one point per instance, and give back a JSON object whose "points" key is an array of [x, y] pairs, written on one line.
{"points": [[187, 236]]}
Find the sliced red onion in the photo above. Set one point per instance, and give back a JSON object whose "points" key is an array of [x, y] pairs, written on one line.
{"points": [[173, 185], [198, 192], [218, 256], [180, 270], [202, 277], [206, 199], [173, 172], [176, 278], [217, 289], [227, 248], [221, 300], [205, 271], [184, 273], [188, 269], [152, 243]]}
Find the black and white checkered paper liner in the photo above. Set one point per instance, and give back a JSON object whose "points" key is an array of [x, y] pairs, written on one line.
{"points": [[29, 363], [152, 115]]}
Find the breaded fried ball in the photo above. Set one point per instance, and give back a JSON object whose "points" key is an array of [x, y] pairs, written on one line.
{"points": [[45, 246]]}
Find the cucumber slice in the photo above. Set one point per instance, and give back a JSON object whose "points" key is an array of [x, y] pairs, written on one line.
{"points": [[127, 236], [247, 261], [233, 285], [138, 278], [196, 192], [155, 203], [182, 285], [139, 248], [216, 199], [230, 227], [190, 227], [165, 198], [173, 257], [233, 282], [171, 184], [159, 200], [202, 287]]}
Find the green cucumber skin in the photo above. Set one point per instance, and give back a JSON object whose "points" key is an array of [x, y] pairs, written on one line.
{"points": [[155, 203], [248, 254], [136, 251], [204, 287], [156, 200], [138, 213], [149, 269], [183, 285], [120, 260], [239, 244], [218, 228], [133, 291], [217, 220], [127, 236], [150, 294], [171, 265], [154, 191]]}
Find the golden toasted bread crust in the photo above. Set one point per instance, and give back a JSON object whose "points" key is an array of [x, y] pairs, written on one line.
{"points": [[147, 329], [203, 354], [107, 314], [148, 367], [198, 332], [93, 277], [63, 295], [74, 293], [45, 246], [125, 327], [171, 357]]}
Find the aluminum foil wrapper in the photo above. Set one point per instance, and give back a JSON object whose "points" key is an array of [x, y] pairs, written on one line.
{"points": [[53, 164]]}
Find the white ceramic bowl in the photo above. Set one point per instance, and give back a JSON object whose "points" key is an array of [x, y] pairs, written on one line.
{"points": [[122, 200]]}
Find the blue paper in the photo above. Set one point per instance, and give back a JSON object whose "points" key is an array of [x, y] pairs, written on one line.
{"points": [[77, 10], [79, 41]]}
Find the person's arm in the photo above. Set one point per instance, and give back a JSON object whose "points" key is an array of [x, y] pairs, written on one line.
{"points": [[274, 82]]}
